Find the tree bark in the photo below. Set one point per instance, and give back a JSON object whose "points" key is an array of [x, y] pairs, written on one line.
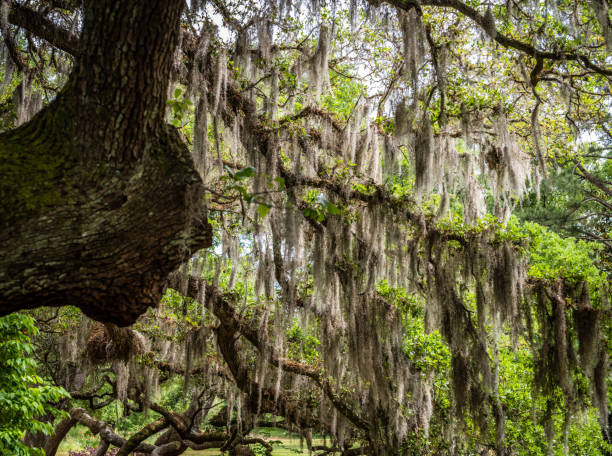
{"points": [[98, 193], [143, 434], [53, 441], [102, 448], [106, 433]]}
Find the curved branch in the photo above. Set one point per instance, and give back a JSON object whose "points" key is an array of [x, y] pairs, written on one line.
{"points": [[504, 40], [106, 433], [38, 25], [147, 431], [59, 433]]}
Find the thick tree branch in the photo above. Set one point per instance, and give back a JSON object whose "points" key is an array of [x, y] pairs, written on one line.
{"points": [[98, 192], [106, 433], [59, 433], [597, 182], [145, 432], [38, 25]]}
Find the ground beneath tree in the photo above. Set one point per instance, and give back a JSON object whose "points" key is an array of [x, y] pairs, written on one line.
{"points": [[289, 444]]}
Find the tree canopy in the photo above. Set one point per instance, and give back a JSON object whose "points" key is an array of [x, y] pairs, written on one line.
{"points": [[382, 222]]}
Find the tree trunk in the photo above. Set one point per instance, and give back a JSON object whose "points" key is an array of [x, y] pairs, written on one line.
{"points": [[98, 193]]}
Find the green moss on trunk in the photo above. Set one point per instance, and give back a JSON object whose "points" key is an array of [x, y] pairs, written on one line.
{"points": [[33, 161]]}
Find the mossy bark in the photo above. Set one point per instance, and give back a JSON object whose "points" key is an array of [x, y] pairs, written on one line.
{"points": [[98, 193]]}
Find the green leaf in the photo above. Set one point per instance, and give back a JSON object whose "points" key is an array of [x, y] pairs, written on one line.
{"points": [[332, 209], [310, 213], [177, 92], [243, 191], [281, 182], [244, 173], [263, 210]]}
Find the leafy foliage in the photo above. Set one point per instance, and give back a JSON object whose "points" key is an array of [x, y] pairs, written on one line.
{"points": [[25, 397], [552, 257]]}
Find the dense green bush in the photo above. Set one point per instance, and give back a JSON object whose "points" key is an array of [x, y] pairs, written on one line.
{"points": [[24, 396]]}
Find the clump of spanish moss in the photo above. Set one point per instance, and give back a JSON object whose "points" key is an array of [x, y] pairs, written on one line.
{"points": [[601, 8], [108, 342], [319, 62], [586, 321], [423, 156]]}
